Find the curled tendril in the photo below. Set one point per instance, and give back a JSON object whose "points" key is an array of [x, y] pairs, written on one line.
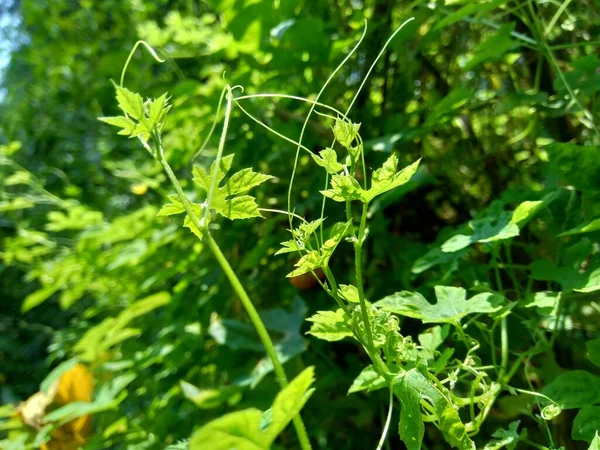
{"points": [[551, 411]]}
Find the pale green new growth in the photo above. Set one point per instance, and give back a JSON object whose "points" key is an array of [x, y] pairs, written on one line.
{"points": [[315, 259], [345, 132], [329, 325], [346, 188], [595, 445], [141, 118], [349, 293], [388, 177], [226, 200], [328, 159]]}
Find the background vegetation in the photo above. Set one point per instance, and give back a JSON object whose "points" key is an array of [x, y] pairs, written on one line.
{"points": [[499, 98]]}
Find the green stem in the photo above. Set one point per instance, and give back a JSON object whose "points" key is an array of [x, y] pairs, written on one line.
{"points": [[377, 361], [230, 274], [215, 174], [504, 349], [260, 330], [511, 271], [493, 252], [534, 445], [334, 290]]}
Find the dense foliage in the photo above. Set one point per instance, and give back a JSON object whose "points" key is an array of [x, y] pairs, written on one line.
{"points": [[414, 224]]}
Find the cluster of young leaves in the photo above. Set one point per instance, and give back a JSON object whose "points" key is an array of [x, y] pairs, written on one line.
{"points": [[226, 200], [141, 118]]}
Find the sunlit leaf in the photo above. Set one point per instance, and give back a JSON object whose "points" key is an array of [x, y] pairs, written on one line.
{"points": [[39, 296], [130, 103], [242, 430], [244, 180], [349, 293], [329, 325], [344, 188], [208, 398], [345, 131], [595, 444], [452, 304], [242, 207], [113, 330], [235, 207], [125, 123], [411, 427], [308, 263], [175, 207], [328, 159], [387, 177], [495, 225], [367, 380], [528, 209], [589, 227]]}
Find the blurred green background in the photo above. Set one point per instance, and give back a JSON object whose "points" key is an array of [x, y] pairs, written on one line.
{"points": [[480, 90]]}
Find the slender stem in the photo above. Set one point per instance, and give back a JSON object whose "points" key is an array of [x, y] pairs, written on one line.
{"points": [[334, 290], [460, 401], [511, 271], [515, 367], [474, 386], [556, 16], [312, 107], [214, 181], [361, 293], [493, 252], [260, 330], [229, 273], [504, 348], [574, 44], [534, 445], [212, 128]]}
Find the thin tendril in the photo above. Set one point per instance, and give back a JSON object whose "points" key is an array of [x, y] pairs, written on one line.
{"points": [[212, 128], [292, 97], [337, 69], [387, 422], [131, 53], [269, 128], [381, 52]]}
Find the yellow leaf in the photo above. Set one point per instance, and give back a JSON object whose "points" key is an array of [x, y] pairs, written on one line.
{"points": [[75, 385]]}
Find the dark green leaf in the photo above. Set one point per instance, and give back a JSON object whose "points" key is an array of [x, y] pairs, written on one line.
{"points": [[574, 389]]}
